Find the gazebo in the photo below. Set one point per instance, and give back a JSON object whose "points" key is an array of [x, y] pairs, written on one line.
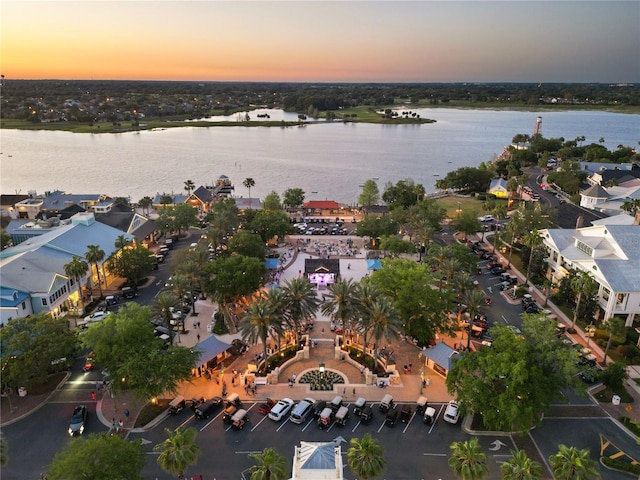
{"points": [[440, 358], [322, 271]]}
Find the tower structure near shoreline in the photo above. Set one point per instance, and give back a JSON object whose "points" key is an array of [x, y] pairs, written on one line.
{"points": [[538, 130]]}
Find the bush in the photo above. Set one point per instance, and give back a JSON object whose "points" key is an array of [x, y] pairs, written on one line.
{"points": [[630, 353], [220, 327], [632, 425]]}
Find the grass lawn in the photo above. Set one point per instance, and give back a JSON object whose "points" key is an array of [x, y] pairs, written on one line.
{"points": [[451, 204], [151, 411]]}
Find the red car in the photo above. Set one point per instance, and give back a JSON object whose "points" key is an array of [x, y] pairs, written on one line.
{"points": [[267, 406]]}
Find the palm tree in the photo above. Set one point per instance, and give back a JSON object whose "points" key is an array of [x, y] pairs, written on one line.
{"points": [[178, 451], [383, 321], [76, 269], [270, 465], [163, 306], [341, 301], [521, 467], [145, 203], [473, 299], [450, 266], [94, 255], [302, 303], [121, 242], [467, 460], [189, 186], [531, 240], [572, 464], [278, 301], [582, 284], [258, 322], [615, 328], [248, 183], [365, 457]]}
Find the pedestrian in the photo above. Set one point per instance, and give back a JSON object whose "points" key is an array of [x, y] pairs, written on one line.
{"points": [[93, 396], [233, 381], [198, 337], [354, 392], [344, 392], [410, 367], [194, 325], [120, 424], [113, 423], [490, 290], [198, 324], [126, 413]]}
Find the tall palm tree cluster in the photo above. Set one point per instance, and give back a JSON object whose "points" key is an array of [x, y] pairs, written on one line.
{"points": [[361, 307], [278, 310]]}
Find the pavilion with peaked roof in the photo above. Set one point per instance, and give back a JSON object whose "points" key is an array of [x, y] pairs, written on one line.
{"points": [[322, 271]]}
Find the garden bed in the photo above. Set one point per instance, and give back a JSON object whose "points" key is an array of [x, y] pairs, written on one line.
{"points": [[321, 381]]}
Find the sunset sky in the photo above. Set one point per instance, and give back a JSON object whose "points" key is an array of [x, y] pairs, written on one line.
{"points": [[323, 41]]}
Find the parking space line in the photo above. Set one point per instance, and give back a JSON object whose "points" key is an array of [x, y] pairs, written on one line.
{"points": [[282, 424], [435, 454], [211, 421], [357, 424], [187, 421], [308, 423], [435, 420], [381, 426], [409, 422], [257, 424]]}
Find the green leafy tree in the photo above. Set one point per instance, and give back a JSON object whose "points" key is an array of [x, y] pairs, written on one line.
{"points": [[125, 346], [468, 179], [178, 451], [394, 245], [614, 375], [365, 457], [166, 200], [512, 383], [184, 216], [247, 244], [468, 461], [230, 278], [223, 221], [521, 467], [573, 464], [293, 198], [248, 183], [5, 240], [95, 255], [409, 285], [76, 269], [99, 457], [121, 242], [370, 194], [272, 201], [270, 465], [403, 194], [615, 328], [467, 222], [270, 224], [374, 227], [30, 344], [133, 263]]}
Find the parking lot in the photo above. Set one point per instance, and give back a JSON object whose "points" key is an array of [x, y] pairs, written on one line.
{"points": [[413, 449]]}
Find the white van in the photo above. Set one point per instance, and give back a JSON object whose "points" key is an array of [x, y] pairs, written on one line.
{"points": [[302, 410]]}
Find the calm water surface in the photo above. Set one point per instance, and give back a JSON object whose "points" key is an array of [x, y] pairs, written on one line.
{"points": [[326, 160]]}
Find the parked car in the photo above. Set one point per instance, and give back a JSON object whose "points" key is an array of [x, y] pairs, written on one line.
{"points": [[239, 419], [266, 407], [208, 408], [392, 416], [405, 413], [486, 218], [451, 414], [78, 420], [281, 409], [96, 316], [366, 414]]}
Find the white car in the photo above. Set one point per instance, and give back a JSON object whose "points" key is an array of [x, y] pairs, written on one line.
{"points": [[486, 218], [96, 316], [281, 409], [451, 414]]}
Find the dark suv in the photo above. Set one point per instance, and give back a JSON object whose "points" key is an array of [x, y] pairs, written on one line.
{"points": [[78, 420]]}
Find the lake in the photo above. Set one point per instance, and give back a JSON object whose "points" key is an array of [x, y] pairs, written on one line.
{"points": [[327, 160]]}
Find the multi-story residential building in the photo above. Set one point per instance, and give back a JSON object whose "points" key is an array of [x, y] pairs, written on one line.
{"points": [[610, 254], [33, 278]]}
